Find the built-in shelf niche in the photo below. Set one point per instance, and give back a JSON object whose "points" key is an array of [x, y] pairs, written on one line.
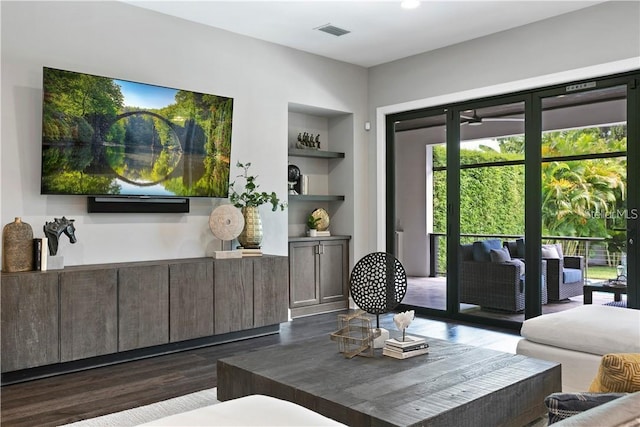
{"points": [[325, 167]]}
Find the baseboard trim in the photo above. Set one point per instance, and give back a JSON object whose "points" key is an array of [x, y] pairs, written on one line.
{"points": [[130, 355]]}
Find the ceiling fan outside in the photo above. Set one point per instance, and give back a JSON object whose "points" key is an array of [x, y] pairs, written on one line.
{"points": [[476, 120]]}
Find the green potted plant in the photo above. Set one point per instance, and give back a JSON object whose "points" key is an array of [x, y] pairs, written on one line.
{"points": [[312, 223], [248, 199]]}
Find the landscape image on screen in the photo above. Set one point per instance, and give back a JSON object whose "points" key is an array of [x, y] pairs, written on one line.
{"points": [[103, 136]]}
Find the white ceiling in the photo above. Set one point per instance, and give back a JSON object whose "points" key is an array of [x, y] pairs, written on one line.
{"points": [[381, 31]]}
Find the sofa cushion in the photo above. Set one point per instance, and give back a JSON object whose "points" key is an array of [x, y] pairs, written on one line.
{"points": [[571, 275], [618, 373], [500, 255], [482, 249], [565, 405], [253, 410], [593, 329], [550, 251]]}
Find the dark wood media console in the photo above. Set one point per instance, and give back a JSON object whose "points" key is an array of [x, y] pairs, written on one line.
{"points": [[86, 316]]}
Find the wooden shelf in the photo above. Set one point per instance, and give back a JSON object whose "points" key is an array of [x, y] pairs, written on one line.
{"points": [[314, 198], [299, 152]]}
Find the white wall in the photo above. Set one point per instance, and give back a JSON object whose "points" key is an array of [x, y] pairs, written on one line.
{"points": [[586, 43], [118, 40]]}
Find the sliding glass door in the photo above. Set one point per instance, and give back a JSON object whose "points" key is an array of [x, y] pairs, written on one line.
{"points": [[420, 178], [589, 209], [526, 204], [491, 205]]}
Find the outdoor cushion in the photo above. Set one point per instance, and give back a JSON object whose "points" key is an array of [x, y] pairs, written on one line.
{"points": [[482, 249], [571, 275], [559, 249], [550, 251], [500, 255], [520, 263], [520, 248]]}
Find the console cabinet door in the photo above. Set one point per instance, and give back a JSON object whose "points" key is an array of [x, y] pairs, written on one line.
{"points": [[233, 287], [191, 300], [29, 328], [334, 268], [88, 313], [143, 299], [304, 274], [270, 290]]}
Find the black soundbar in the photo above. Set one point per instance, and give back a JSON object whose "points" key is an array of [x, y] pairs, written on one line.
{"points": [[137, 204]]}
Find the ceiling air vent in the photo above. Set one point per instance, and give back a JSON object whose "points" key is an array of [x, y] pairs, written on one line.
{"points": [[333, 30]]}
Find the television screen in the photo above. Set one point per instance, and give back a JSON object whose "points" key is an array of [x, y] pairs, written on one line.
{"points": [[103, 136]]}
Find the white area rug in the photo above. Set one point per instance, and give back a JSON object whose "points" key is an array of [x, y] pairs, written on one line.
{"points": [[154, 411]]}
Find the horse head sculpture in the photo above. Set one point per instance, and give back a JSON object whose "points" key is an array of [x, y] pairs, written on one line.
{"points": [[53, 230]]}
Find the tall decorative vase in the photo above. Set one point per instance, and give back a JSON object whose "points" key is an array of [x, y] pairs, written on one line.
{"points": [[17, 246], [251, 235]]}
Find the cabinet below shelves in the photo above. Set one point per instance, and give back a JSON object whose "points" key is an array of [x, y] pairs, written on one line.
{"points": [[318, 275]]}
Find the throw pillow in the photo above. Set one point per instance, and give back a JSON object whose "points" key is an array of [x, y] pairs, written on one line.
{"points": [[564, 405], [550, 251], [482, 249], [500, 255], [619, 373]]}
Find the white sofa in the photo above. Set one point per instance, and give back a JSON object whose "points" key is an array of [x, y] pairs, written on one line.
{"points": [[254, 410], [578, 338]]}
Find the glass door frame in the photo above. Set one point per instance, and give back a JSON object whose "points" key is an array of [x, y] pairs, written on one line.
{"points": [[532, 260], [632, 82], [533, 195]]}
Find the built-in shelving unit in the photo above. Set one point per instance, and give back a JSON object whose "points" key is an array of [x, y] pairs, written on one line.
{"points": [[300, 152], [325, 168], [319, 266], [315, 198]]}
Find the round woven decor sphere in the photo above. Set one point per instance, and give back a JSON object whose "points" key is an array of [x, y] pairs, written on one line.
{"points": [[378, 283]]}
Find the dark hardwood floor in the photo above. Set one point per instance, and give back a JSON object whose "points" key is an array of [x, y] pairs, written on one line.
{"points": [[71, 397]]}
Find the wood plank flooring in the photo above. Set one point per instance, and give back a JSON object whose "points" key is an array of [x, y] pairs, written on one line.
{"points": [[71, 397]]}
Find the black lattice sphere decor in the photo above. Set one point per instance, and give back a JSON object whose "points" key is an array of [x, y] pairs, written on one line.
{"points": [[378, 283]]}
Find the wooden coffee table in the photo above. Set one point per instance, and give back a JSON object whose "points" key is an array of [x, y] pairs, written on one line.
{"points": [[454, 384], [617, 291]]}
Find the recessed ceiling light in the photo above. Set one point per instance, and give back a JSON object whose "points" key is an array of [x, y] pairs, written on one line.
{"points": [[409, 4]]}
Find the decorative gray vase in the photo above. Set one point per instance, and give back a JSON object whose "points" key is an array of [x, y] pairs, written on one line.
{"points": [[251, 235]]}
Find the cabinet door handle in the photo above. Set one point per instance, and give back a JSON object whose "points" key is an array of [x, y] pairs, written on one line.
{"points": [[320, 249]]}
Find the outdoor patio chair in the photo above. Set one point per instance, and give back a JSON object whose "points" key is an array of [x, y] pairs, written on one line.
{"points": [[493, 285], [565, 273]]}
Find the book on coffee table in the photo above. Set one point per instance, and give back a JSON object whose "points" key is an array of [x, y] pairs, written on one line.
{"points": [[399, 354], [409, 341]]}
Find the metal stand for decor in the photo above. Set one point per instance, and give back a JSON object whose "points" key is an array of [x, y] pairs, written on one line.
{"points": [[378, 284]]}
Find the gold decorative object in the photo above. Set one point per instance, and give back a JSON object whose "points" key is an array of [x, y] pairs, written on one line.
{"points": [[322, 219], [17, 246], [249, 199], [251, 235], [354, 335]]}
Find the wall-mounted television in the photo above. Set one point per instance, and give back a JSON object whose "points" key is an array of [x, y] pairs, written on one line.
{"points": [[108, 137]]}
